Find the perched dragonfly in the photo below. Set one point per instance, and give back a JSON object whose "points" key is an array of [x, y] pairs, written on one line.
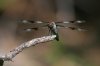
{"points": [[52, 26]]}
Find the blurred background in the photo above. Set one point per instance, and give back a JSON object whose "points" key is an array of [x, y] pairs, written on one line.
{"points": [[75, 48]]}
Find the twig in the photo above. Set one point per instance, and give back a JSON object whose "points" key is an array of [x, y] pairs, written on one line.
{"points": [[9, 56]]}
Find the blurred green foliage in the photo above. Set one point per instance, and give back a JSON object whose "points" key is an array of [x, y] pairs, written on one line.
{"points": [[73, 55], [2, 4]]}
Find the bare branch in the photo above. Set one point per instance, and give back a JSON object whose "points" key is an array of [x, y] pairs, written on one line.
{"points": [[9, 56]]}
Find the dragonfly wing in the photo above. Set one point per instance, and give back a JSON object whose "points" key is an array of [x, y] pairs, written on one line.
{"points": [[74, 21], [37, 27], [30, 29], [33, 25], [31, 21], [80, 21], [25, 21], [72, 28]]}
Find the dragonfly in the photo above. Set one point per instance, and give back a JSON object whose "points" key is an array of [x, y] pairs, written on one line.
{"points": [[52, 26]]}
